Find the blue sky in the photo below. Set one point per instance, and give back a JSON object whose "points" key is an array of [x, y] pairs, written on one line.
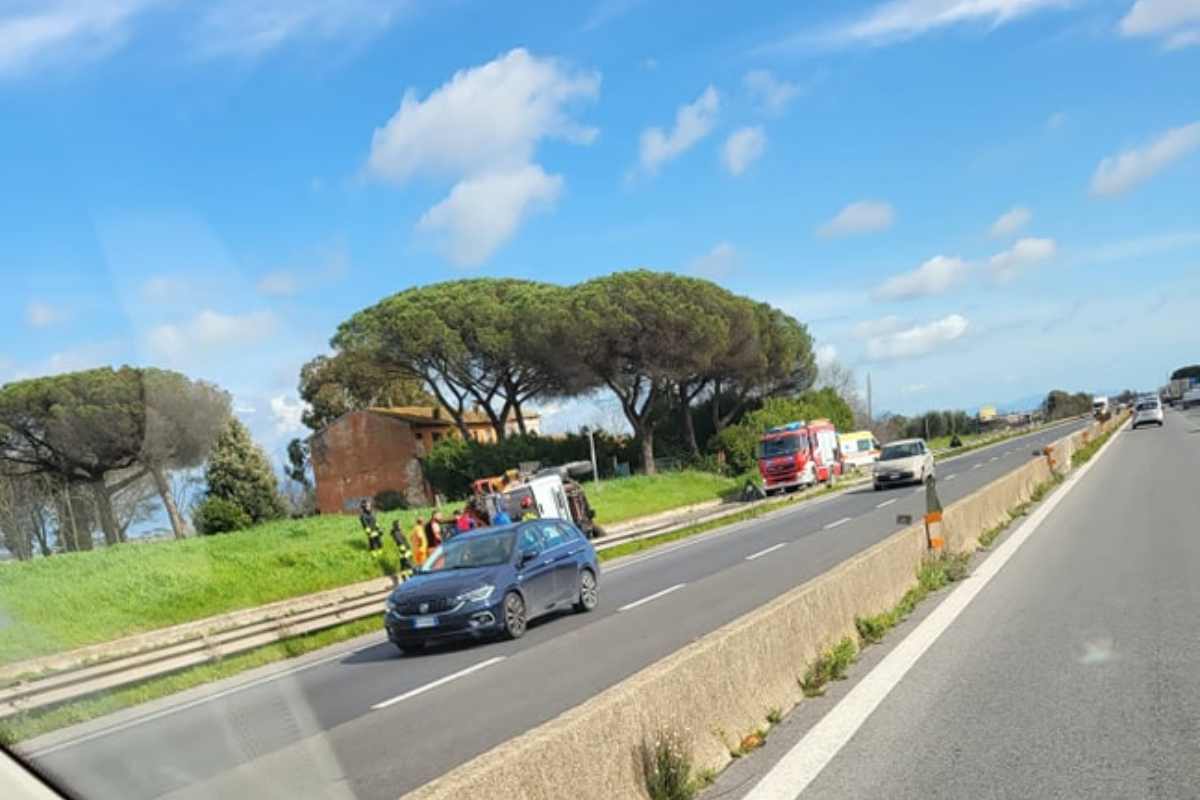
{"points": [[972, 200]]}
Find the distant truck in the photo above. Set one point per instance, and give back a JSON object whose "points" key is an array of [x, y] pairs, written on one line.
{"points": [[859, 449], [547, 493], [1190, 398], [1100, 408], [799, 454]]}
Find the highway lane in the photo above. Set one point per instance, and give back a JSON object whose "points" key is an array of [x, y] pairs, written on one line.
{"points": [[1072, 674], [372, 724]]}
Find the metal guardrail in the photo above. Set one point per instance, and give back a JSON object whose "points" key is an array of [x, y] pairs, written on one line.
{"points": [[70, 676]]}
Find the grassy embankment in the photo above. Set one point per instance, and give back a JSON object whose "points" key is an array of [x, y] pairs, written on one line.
{"points": [[67, 601]]}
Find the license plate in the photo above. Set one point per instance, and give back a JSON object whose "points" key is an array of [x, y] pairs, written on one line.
{"points": [[894, 475], [425, 622]]}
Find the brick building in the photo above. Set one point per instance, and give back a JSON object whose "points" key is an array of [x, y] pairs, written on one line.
{"points": [[366, 452]]}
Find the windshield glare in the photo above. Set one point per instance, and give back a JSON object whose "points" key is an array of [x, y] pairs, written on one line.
{"points": [[895, 451], [471, 551], [783, 446]]}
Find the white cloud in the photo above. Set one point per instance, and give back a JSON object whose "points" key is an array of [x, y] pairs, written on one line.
{"points": [[1120, 173], [870, 328], [743, 147], [279, 283], [770, 93], [718, 262], [209, 331], [520, 100], [73, 359], [40, 33], [693, 121], [1135, 249], [1010, 222], [865, 216], [1176, 20], [1056, 120], [286, 413], [43, 315], [255, 27], [1024, 253], [936, 276], [483, 212], [918, 340], [825, 354], [906, 19]]}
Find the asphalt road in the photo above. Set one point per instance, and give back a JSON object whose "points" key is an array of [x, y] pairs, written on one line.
{"points": [[371, 724], [1073, 672]]}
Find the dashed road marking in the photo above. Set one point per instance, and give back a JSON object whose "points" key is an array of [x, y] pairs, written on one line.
{"points": [[435, 684], [654, 596], [770, 549], [841, 521]]}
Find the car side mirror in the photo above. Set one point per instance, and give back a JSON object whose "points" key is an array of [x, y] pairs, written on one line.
{"points": [[527, 556]]}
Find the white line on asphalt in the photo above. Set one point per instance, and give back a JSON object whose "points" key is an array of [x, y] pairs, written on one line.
{"points": [[918, 490], [800, 766], [888, 502], [951, 477], [654, 596], [977, 466], [841, 521], [274, 676], [994, 458], [770, 549], [439, 682]]}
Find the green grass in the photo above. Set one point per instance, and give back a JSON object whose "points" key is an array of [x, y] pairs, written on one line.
{"points": [[1085, 453], [832, 665], [35, 723], [934, 573], [74, 599], [622, 499]]}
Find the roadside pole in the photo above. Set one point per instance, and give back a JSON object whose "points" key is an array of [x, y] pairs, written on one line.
{"points": [[592, 446]]}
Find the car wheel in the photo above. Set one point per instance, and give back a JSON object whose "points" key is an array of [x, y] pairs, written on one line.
{"points": [[589, 595], [515, 619], [878, 487]]}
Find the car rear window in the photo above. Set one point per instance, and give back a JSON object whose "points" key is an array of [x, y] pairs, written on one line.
{"points": [[1147, 406]]}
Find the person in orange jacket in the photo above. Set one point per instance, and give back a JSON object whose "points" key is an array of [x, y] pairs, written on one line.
{"points": [[416, 538]]}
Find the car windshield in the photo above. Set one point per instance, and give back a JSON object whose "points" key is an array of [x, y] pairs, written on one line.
{"points": [[471, 551], [1147, 405], [782, 446], [896, 451]]}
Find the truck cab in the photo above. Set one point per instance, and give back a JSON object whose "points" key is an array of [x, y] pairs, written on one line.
{"points": [[798, 454]]}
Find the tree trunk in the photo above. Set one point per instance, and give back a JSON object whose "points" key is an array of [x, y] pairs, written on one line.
{"points": [[104, 510], [689, 425], [168, 499], [520, 418], [647, 435]]}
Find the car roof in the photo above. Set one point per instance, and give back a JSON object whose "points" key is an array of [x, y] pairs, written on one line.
{"points": [[905, 441]]}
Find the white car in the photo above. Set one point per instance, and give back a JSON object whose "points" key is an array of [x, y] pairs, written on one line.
{"points": [[1148, 411], [905, 461]]}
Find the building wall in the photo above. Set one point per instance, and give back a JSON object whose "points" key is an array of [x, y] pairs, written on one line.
{"points": [[361, 454]]}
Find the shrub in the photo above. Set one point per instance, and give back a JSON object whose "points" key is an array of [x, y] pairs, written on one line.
{"points": [[390, 500], [218, 515], [667, 768]]}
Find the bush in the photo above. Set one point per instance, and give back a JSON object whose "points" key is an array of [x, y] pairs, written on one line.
{"points": [[667, 768], [218, 515], [390, 500]]}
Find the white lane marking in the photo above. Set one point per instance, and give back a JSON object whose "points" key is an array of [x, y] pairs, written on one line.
{"points": [[977, 466], [918, 490], [841, 521], [800, 766], [994, 458], [274, 676], [439, 682], [889, 502], [770, 549], [654, 596], [951, 477]]}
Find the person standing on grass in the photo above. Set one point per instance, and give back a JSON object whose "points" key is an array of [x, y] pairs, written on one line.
{"points": [[416, 538], [433, 531], [404, 554], [463, 521], [370, 525]]}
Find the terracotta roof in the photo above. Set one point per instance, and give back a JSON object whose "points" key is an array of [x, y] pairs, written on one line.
{"points": [[425, 415]]}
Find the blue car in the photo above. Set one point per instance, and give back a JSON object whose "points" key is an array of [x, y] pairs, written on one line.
{"points": [[492, 582]]}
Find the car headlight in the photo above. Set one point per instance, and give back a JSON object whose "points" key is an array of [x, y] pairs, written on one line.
{"points": [[477, 595], [390, 603]]}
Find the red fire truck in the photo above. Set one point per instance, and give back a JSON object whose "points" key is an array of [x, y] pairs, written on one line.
{"points": [[799, 454]]}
